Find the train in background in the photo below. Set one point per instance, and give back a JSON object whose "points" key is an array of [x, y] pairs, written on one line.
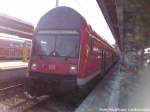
{"points": [[11, 47], [66, 53]]}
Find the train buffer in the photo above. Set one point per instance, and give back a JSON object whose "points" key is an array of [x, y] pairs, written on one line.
{"points": [[16, 64]]}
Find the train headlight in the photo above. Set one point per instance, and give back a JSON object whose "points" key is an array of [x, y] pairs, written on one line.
{"points": [[73, 69], [33, 66]]}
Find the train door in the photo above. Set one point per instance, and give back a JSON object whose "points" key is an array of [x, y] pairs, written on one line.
{"points": [[100, 59], [90, 66], [103, 61]]}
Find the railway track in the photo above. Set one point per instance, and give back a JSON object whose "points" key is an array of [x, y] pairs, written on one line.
{"points": [[14, 99], [43, 103], [9, 91], [10, 87], [26, 104]]}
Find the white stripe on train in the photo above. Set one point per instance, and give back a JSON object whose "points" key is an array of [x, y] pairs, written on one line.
{"points": [[83, 81]]}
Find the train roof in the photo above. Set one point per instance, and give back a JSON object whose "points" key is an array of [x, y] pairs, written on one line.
{"points": [[61, 18]]}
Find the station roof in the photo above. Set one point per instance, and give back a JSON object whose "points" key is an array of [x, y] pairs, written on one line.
{"points": [[128, 21], [109, 10], [14, 26], [137, 23]]}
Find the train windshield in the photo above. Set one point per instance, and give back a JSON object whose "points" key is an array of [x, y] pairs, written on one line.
{"points": [[57, 45]]}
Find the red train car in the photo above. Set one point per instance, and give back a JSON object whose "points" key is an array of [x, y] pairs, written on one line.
{"points": [[66, 52], [11, 48]]}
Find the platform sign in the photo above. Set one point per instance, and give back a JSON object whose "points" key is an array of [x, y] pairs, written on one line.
{"points": [[25, 52]]}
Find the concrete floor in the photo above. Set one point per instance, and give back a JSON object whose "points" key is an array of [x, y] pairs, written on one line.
{"points": [[135, 90], [12, 64], [125, 90], [140, 97]]}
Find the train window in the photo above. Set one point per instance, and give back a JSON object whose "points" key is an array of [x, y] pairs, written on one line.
{"points": [[93, 46], [29, 44], [90, 44], [58, 45], [96, 49], [45, 44], [11, 45], [67, 45], [4, 43]]}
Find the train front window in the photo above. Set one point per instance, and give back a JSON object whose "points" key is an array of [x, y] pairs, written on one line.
{"points": [[44, 44], [58, 45], [67, 45]]}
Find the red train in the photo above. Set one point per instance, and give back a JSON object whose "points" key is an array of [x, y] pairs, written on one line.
{"points": [[66, 52], [11, 48]]}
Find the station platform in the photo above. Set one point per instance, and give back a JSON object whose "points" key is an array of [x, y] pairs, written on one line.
{"points": [[105, 95], [12, 72], [12, 64], [136, 90], [122, 90]]}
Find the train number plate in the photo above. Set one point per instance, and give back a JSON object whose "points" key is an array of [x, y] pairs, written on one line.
{"points": [[52, 67]]}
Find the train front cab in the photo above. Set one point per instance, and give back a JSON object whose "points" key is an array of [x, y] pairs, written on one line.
{"points": [[60, 61], [54, 60]]}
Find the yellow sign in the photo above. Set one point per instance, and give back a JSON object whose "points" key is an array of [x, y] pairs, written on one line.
{"points": [[25, 52]]}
